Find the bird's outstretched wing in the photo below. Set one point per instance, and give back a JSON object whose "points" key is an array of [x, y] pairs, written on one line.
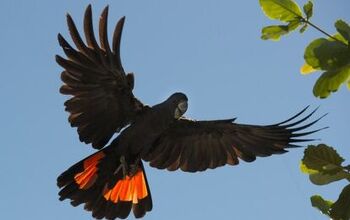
{"points": [[102, 102], [197, 145]]}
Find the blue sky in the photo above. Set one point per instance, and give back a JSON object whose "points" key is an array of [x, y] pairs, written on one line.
{"points": [[210, 50]]}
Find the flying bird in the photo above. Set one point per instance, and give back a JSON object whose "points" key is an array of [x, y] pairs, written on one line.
{"points": [[112, 181]]}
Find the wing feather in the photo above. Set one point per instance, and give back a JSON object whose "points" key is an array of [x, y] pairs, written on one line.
{"points": [[102, 102], [198, 145]]}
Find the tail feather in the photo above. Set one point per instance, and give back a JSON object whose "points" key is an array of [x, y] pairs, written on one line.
{"points": [[144, 204], [97, 182], [79, 168]]}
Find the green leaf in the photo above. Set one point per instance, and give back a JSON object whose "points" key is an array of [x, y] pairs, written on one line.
{"points": [[334, 57], [321, 204], [274, 32], [283, 10], [308, 9], [307, 170], [292, 25], [323, 178], [341, 208], [343, 28], [303, 28], [326, 54], [339, 37], [330, 81], [322, 158], [307, 69]]}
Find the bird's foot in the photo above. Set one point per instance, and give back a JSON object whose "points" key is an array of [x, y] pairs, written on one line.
{"points": [[134, 167], [128, 170], [124, 166]]}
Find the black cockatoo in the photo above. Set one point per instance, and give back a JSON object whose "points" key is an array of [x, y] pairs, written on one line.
{"points": [[112, 181]]}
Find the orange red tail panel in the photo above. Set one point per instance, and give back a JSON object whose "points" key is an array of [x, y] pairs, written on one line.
{"points": [[88, 176], [128, 189]]}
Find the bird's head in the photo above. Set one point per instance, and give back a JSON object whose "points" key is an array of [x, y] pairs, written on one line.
{"points": [[178, 104]]}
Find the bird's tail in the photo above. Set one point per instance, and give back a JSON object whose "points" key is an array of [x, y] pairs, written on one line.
{"points": [[106, 186]]}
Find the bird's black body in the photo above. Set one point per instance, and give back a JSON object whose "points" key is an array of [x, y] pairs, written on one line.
{"points": [[112, 182], [146, 129]]}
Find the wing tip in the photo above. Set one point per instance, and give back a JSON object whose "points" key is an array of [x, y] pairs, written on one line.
{"points": [[59, 37], [69, 18], [89, 6], [88, 14], [105, 10], [59, 59]]}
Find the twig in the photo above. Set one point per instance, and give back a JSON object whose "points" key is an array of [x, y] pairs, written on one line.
{"points": [[320, 30]]}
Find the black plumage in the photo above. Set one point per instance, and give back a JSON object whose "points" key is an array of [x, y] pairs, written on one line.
{"points": [[112, 182]]}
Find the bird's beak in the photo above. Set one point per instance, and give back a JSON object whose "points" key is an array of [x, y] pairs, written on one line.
{"points": [[183, 106], [180, 109]]}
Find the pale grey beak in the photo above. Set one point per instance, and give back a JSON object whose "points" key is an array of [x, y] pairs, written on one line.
{"points": [[180, 109], [183, 106]]}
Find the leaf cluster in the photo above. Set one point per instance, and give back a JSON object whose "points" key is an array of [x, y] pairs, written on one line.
{"points": [[330, 55], [324, 165], [288, 12]]}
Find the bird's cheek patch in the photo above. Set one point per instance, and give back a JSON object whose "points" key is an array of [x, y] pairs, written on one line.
{"points": [[88, 176], [131, 189]]}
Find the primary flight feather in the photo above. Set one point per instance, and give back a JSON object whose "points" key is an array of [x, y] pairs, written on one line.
{"points": [[112, 181]]}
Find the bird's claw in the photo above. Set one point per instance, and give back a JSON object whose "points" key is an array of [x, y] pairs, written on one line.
{"points": [[124, 166], [128, 170]]}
